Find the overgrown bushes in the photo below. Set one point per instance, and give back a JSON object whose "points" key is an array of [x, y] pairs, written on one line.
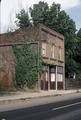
{"points": [[26, 65]]}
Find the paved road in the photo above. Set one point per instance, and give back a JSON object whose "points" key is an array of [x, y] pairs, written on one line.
{"points": [[63, 110]]}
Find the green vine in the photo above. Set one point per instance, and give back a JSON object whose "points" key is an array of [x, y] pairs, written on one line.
{"points": [[26, 65]]}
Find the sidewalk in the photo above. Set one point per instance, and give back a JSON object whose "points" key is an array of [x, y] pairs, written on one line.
{"points": [[25, 95]]}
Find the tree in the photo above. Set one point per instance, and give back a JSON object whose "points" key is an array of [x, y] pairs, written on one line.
{"points": [[40, 12], [79, 34], [78, 47], [77, 54], [23, 19]]}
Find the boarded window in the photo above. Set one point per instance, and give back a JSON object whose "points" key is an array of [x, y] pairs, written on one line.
{"points": [[53, 51], [44, 49], [60, 54]]}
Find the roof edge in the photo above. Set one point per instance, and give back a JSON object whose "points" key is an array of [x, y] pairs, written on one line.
{"points": [[42, 26]]}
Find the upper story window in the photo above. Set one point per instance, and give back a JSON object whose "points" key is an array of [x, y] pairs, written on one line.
{"points": [[60, 54], [44, 49], [53, 51]]}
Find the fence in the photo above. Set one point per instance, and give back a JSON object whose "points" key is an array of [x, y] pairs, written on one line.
{"points": [[72, 84], [19, 65]]}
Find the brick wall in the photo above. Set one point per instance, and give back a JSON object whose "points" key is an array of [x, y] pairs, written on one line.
{"points": [[7, 67]]}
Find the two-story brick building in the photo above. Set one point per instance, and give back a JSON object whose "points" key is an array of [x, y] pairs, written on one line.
{"points": [[52, 52], [51, 46]]}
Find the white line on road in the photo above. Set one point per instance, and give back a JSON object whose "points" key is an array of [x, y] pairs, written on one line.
{"points": [[70, 105]]}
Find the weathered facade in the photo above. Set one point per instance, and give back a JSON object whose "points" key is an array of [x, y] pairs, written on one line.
{"points": [[7, 67], [52, 52], [51, 49]]}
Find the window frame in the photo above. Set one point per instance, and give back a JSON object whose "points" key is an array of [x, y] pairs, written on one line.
{"points": [[60, 77], [53, 76], [43, 50], [60, 53], [53, 51]]}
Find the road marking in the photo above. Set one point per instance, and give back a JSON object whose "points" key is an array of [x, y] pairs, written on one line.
{"points": [[58, 108]]}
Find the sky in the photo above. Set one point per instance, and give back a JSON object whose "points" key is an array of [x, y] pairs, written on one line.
{"points": [[9, 8]]}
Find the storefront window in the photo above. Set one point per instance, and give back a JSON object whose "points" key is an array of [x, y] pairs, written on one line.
{"points": [[60, 77], [52, 77]]}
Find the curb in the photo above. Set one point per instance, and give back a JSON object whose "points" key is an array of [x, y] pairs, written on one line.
{"points": [[8, 100]]}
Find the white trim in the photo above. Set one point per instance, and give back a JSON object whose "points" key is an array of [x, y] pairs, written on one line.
{"points": [[56, 87]]}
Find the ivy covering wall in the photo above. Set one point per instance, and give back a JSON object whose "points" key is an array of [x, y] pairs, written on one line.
{"points": [[26, 65]]}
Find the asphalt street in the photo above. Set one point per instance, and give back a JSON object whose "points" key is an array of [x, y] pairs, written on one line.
{"points": [[63, 110]]}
